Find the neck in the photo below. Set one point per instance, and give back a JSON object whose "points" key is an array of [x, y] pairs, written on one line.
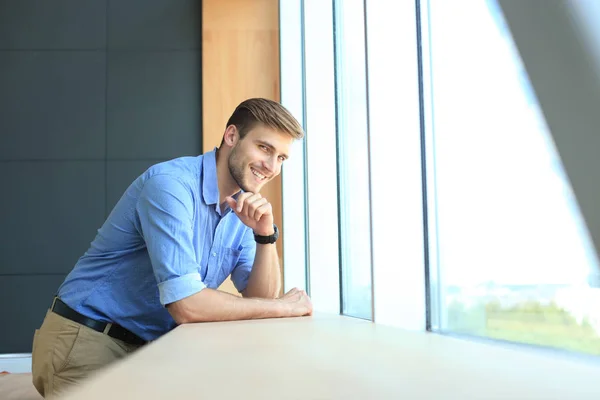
{"points": [[227, 186]]}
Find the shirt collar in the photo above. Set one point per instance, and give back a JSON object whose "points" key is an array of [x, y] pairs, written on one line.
{"points": [[210, 186]]}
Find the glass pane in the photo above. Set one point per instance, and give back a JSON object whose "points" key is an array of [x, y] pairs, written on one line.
{"points": [[293, 187], [353, 175], [396, 173], [513, 251], [321, 172]]}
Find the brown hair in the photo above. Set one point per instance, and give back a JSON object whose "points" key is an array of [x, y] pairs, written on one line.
{"points": [[258, 110]]}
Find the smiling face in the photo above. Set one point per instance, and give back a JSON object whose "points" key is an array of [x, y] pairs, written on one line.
{"points": [[257, 157]]}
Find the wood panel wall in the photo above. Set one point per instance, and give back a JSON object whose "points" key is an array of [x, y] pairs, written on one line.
{"points": [[240, 60]]}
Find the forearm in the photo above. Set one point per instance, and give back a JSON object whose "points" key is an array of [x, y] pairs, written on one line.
{"points": [[265, 278], [211, 305]]}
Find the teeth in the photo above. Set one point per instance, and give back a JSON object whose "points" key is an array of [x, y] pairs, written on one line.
{"points": [[256, 173]]}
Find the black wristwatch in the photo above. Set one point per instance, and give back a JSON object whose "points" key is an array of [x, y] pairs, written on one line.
{"points": [[267, 239]]}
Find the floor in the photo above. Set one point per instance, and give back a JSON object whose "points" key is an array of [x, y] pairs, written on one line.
{"points": [[17, 387]]}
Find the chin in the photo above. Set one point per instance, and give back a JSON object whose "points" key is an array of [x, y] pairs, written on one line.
{"points": [[256, 188], [251, 187]]}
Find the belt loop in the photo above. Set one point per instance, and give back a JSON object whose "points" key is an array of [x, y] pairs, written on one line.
{"points": [[53, 303], [107, 328]]}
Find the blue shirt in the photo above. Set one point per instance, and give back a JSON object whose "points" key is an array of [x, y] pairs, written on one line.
{"points": [[165, 240]]}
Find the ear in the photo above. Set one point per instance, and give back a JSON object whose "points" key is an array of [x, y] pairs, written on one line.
{"points": [[231, 136]]}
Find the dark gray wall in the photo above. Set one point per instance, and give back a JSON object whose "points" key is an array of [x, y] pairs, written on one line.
{"points": [[91, 94]]}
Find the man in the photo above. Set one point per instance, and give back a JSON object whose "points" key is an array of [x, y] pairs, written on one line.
{"points": [[178, 231]]}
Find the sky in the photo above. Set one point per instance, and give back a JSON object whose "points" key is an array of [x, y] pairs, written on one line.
{"points": [[506, 212]]}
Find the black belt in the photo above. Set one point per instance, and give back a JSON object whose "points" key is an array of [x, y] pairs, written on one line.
{"points": [[114, 330]]}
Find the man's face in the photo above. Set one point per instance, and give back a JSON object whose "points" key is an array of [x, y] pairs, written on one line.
{"points": [[256, 159]]}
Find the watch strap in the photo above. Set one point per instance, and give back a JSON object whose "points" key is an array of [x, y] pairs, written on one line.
{"points": [[270, 239]]}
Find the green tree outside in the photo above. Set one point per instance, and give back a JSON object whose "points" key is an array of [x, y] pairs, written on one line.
{"points": [[529, 322]]}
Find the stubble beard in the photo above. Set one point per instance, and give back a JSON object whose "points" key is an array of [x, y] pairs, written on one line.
{"points": [[236, 171]]}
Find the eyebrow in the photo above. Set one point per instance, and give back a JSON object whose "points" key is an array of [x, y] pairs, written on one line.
{"points": [[269, 145]]}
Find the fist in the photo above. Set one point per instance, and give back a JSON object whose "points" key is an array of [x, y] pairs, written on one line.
{"points": [[297, 303], [254, 211]]}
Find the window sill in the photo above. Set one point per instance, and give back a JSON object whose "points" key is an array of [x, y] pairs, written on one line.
{"points": [[328, 356]]}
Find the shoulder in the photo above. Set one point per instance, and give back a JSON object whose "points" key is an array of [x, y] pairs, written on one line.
{"points": [[179, 171], [176, 179], [182, 167]]}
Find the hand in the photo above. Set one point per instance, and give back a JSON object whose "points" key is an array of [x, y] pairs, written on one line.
{"points": [[297, 303], [254, 211]]}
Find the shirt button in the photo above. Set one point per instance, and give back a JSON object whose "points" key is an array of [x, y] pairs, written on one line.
{"points": [[214, 254]]}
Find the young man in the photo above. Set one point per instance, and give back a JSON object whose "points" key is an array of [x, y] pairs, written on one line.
{"points": [[175, 235]]}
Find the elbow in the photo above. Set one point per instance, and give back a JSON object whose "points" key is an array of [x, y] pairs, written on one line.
{"points": [[180, 313], [188, 310]]}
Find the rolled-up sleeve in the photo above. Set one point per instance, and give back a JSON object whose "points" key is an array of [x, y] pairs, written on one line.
{"points": [[165, 210], [243, 268]]}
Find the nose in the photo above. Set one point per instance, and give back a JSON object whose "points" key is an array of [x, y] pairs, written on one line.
{"points": [[271, 164]]}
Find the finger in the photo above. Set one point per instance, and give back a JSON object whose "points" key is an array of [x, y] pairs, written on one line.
{"points": [[255, 207], [241, 199], [230, 202], [251, 204], [254, 198], [263, 207], [266, 209], [249, 207]]}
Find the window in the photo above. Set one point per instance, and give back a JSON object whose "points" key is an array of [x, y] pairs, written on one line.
{"points": [[396, 180], [294, 171], [434, 193], [512, 252], [353, 159]]}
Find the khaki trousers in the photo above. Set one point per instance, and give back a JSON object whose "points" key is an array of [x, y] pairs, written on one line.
{"points": [[65, 352]]}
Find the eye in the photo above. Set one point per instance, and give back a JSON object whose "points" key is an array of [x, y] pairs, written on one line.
{"points": [[281, 158], [263, 148]]}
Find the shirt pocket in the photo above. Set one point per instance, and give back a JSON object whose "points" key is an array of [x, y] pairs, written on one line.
{"points": [[222, 261]]}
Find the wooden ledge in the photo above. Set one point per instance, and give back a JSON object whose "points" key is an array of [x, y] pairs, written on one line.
{"points": [[335, 357]]}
